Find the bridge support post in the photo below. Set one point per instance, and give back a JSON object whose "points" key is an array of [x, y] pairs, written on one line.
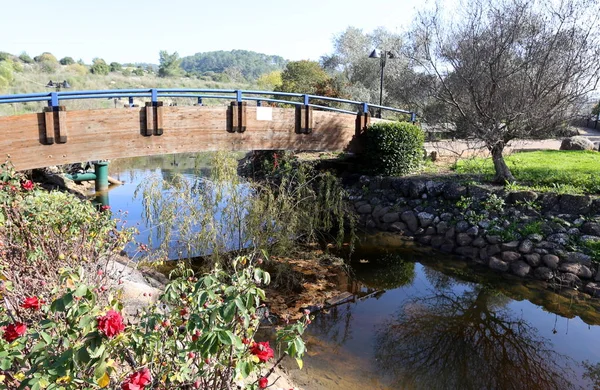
{"points": [[101, 171], [55, 124], [304, 119], [154, 118], [363, 120], [238, 117]]}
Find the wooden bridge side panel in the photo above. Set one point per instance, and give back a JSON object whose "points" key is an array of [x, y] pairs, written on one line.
{"points": [[116, 133]]}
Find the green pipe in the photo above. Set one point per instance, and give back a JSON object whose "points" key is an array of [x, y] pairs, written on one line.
{"points": [[101, 173], [86, 176]]}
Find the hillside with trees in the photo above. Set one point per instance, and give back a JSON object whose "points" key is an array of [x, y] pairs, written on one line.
{"points": [[249, 65]]}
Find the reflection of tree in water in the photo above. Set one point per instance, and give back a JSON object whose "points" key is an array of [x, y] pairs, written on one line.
{"points": [[389, 272], [466, 340], [335, 325]]}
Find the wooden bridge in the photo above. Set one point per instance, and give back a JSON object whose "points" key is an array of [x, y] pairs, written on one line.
{"points": [[59, 136]]}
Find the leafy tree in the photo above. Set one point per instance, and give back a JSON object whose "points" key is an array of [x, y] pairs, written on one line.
{"points": [[115, 67], [6, 74], [596, 109], [25, 58], [4, 56], [251, 64], [269, 81], [99, 67], [510, 69], [46, 57], [138, 71], [302, 77], [67, 61], [169, 64], [78, 69]]}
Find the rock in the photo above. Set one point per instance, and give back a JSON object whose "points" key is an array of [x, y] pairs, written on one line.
{"points": [[398, 227], [578, 269], [493, 239], [575, 204], [593, 289], [425, 219], [484, 224], [479, 242], [549, 201], [410, 219], [509, 256], [447, 246], [371, 224], [375, 201], [522, 197], [568, 279], [473, 231], [442, 227], [543, 273], [497, 264], [573, 232], [391, 217], [463, 239], [430, 231], [467, 251], [493, 250], [535, 237], [578, 257], [434, 188], [551, 261], [365, 209], [588, 239], [559, 238], [437, 241], [526, 246], [380, 211], [533, 259], [425, 240], [520, 268], [483, 255], [510, 246], [447, 217], [462, 226], [576, 143], [416, 188], [547, 245], [454, 191], [591, 228], [450, 233]]}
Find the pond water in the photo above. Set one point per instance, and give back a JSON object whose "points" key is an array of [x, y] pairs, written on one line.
{"points": [[420, 321]]}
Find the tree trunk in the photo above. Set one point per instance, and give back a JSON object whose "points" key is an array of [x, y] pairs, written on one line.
{"points": [[503, 173]]}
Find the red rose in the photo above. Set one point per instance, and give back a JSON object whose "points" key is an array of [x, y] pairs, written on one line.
{"points": [[14, 331], [137, 380], [27, 185], [32, 303], [105, 208], [262, 350], [111, 324], [263, 383]]}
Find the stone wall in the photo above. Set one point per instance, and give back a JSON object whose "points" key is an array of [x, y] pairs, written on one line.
{"points": [[541, 236]]}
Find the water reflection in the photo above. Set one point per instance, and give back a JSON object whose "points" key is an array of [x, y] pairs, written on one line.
{"points": [[467, 339]]}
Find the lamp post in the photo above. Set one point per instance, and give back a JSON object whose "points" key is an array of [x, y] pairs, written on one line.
{"points": [[58, 85], [383, 55]]}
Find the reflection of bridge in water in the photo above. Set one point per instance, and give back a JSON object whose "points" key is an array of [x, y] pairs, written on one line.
{"points": [[59, 136]]}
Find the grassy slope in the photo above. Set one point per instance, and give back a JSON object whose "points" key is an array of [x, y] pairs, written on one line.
{"points": [[32, 79], [563, 171]]}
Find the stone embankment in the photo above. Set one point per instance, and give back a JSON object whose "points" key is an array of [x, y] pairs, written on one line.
{"points": [[544, 236]]}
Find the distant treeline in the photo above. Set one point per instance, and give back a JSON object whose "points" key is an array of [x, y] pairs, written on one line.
{"points": [[249, 64]]}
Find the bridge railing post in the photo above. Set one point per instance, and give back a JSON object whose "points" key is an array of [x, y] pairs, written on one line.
{"points": [[55, 121], [304, 116], [363, 119]]}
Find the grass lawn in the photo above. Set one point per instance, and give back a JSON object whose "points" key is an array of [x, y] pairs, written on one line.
{"points": [[547, 170]]}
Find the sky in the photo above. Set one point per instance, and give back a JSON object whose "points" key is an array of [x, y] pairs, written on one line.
{"points": [[135, 31]]}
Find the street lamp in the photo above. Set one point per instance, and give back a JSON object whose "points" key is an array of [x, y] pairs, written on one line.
{"points": [[383, 55], [58, 85]]}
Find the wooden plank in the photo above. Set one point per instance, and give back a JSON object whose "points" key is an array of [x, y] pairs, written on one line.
{"points": [[159, 120], [61, 125], [149, 129], [49, 126]]}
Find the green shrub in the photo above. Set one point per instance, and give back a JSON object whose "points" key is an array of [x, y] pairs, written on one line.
{"points": [[26, 58], [99, 67], [67, 61], [392, 148]]}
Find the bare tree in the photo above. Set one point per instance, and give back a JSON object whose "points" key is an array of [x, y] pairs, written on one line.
{"points": [[509, 69]]}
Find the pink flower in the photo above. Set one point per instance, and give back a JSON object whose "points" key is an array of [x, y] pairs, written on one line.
{"points": [[27, 185], [111, 324], [262, 350], [32, 303], [14, 331], [137, 380], [105, 208]]}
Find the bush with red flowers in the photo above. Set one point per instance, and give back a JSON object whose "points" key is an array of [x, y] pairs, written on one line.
{"points": [[11, 332], [262, 351], [138, 380], [111, 324], [33, 303]]}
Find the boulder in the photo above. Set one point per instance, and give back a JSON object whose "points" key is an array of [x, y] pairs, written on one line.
{"points": [[575, 204], [479, 242], [425, 219], [365, 209], [576, 143], [463, 239], [543, 273], [533, 259], [551, 261], [593, 289], [578, 269], [454, 191], [526, 246], [568, 279], [510, 246], [591, 228], [437, 241], [425, 240], [522, 196], [520, 268], [497, 264], [509, 256], [380, 211], [467, 251], [442, 227], [578, 257], [391, 217], [398, 227], [410, 219], [462, 226]]}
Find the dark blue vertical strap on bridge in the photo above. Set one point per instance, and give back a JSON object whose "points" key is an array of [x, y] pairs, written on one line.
{"points": [[413, 117], [154, 95], [365, 108], [199, 101], [305, 98], [130, 101], [238, 96], [53, 102]]}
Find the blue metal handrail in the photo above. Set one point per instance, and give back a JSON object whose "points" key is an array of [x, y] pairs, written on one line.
{"points": [[53, 98]]}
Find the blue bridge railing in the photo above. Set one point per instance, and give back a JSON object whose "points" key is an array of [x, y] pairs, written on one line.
{"points": [[53, 98]]}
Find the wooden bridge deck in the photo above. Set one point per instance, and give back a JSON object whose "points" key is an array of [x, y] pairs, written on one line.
{"points": [[62, 137]]}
